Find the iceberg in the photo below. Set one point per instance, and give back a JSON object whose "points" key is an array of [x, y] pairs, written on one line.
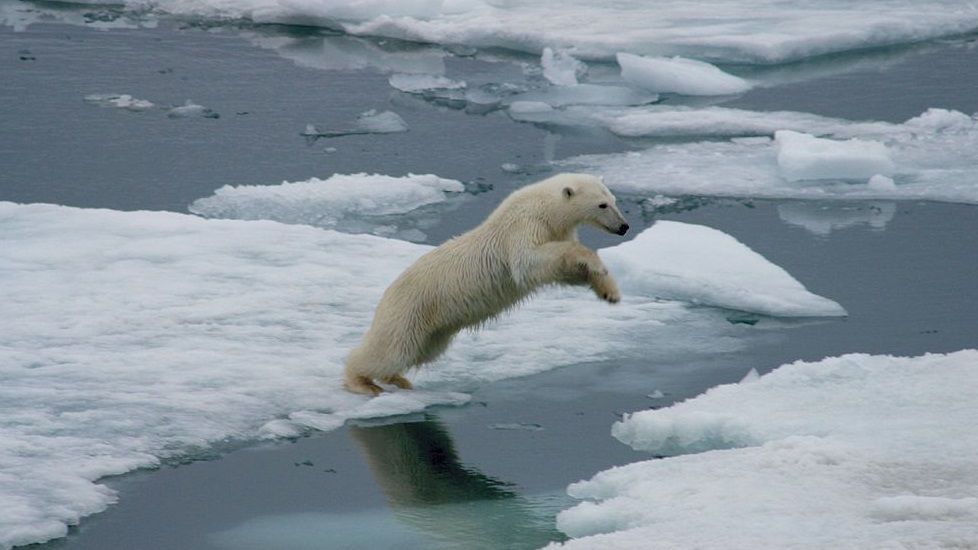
{"points": [[860, 451], [929, 157], [135, 338], [705, 266], [353, 203], [679, 75]]}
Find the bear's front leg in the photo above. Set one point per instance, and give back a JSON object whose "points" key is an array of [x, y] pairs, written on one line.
{"points": [[572, 263], [598, 277]]}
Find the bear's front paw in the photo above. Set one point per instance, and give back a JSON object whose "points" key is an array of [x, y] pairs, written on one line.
{"points": [[607, 290]]}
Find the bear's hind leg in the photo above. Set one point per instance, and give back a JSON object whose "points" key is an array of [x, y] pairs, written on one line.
{"points": [[399, 381], [362, 384]]}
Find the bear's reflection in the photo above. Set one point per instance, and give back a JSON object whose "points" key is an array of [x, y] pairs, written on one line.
{"points": [[430, 490]]}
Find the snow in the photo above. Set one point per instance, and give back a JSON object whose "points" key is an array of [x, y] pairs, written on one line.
{"points": [[679, 75], [806, 157], [932, 154], [131, 338], [709, 267], [858, 451], [560, 67], [353, 203]]}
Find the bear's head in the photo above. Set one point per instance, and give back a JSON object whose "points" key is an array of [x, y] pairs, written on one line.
{"points": [[589, 201]]}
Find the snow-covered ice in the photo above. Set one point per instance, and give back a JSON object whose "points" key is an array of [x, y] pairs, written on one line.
{"points": [[806, 157], [709, 267], [857, 451], [679, 75], [354, 203], [933, 158], [135, 337]]}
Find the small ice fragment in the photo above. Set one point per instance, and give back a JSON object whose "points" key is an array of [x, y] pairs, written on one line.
{"points": [[419, 83], [560, 68], [806, 157], [659, 201], [657, 394], [679, 75], [329, 150], [516, 426], [191, 109], [384, 122], [511, 168], [311, 130], [751, 376], [879, 182], [122, 101]]}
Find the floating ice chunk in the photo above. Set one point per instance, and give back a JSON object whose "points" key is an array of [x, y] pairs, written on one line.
{"points": [[383, 122], [657, 394], [705, 266], [679, 75], [419, 83], [354, 203], [122, 101], [839, 453], [191, 109], [367, 122], [560, 68], [880, 182], [806, 157], [516, 426]]}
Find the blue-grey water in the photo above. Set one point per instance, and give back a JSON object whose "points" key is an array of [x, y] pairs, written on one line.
{"points": [[452, 478]]}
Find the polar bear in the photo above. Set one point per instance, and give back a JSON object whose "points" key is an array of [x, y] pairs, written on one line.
{"points": [[529, 241]]}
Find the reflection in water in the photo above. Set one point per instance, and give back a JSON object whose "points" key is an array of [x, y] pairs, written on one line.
{"points": [[821, 218], [430, 490]]}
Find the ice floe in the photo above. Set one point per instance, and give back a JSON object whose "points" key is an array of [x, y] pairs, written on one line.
{"points": [[929, 157], [822, 218], [122, 101], [706, 266], [131, 338], [191, 109], [679, 75], [354, 203], [857, 451], [367, 122]]}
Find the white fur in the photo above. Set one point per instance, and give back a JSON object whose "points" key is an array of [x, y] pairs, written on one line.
{"points": [[529, 241]]}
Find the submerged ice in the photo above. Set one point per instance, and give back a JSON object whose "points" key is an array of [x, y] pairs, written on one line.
{"points": [[856, 451], [136, 337]]}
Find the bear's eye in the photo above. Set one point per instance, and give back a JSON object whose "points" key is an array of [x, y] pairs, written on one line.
{"points": [[603, 205]]}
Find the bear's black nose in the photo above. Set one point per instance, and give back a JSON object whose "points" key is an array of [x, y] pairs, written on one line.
{"points": [[623, 229]]}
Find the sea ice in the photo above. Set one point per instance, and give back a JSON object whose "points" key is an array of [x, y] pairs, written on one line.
{"points": [[822, 218], [679, 75], [131, 338], [353, 203], [587, 94], [191, 109], [560, 67], [857, 451], [806, 157], [420, 83], [932, 158], [122, 101], [367, 122], [709, 267]]}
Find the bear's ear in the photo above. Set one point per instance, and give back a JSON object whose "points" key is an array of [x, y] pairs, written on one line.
{"points": [[568, 192]]}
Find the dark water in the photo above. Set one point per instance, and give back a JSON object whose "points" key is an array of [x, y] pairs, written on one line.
{"points": [[905, 271]]}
